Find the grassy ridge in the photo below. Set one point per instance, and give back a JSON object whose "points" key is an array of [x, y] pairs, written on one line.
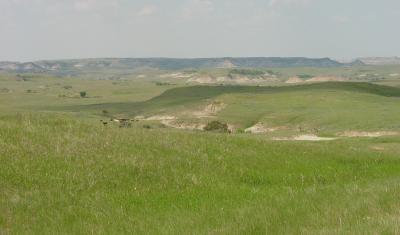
{"points": [[62, 175], [328, 111], [189, 95], [327, 107]]}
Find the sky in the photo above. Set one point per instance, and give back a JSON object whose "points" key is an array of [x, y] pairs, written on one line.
{"points": [[65, 29]]}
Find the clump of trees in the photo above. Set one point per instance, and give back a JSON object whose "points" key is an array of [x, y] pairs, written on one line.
{"points": [[163, 84], [217, 126], [305, 76], [248, 72]]}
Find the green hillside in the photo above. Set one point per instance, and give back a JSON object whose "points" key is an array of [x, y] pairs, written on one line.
{"points": [[328, 107]]}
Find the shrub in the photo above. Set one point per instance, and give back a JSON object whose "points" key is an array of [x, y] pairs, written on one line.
{"points": [[162, 125], [305, 76], [163, 83], [216, 126], [67, 87], [82, 94], [250, 72], [5, 90], [146, 126], [125, 124]]}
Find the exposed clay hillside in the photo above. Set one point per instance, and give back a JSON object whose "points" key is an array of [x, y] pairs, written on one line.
{"points": [[29, 67], [381, 60]]}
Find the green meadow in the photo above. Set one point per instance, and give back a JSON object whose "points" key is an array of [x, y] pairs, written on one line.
{"points": [[63, 172], [62, 175]]}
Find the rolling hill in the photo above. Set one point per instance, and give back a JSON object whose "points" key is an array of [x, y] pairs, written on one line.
{"points": [[328, 108]]}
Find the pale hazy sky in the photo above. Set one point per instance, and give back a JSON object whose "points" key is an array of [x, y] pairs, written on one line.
{"points": [[56, 29]]}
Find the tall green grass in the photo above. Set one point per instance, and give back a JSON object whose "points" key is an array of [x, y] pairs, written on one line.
{"points": [[60, 175]]}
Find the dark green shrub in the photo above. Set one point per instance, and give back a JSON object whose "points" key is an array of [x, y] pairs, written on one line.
{"points": [[125, 124], [216, 126], [82, 94], [305, 76], [5, 90], [249, 72], [146, 126]]}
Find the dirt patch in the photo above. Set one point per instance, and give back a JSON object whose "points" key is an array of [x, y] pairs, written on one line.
{"points": [[202, 79], [304, 138], [227, 64], [139, 118], [294, 80], [327, 79], [182, 125], [378, 148], [222, 79], [176, 75], [173, 122], [368, 134], [251, 79], [210, 110], [160, 118], [394, 75], [231, 128], [241, 79], [215, 107], [259, 128]]}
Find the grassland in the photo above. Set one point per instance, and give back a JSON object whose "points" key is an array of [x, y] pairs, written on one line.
{"points": [[62, 175], [63, 172], [41, 90]]}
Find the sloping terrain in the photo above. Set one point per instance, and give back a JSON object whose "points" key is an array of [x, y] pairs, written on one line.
{"points": [[324, 108]]}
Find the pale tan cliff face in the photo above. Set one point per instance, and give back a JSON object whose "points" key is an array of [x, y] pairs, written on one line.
{"points": [[381, 60]]}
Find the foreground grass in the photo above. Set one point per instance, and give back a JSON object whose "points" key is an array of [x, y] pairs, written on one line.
{"points": [[60, 175]]}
